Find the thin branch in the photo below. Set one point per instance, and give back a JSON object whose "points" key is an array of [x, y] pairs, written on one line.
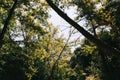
{"points": [[60, 54]]}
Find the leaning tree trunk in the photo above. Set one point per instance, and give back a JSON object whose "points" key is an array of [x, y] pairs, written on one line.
{"points": [[109, 50], [7, 22]]}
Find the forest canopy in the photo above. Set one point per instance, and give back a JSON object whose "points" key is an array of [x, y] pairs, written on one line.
{"points": [[32, 49]]}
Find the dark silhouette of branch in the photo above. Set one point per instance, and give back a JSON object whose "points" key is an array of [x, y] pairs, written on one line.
{"points": [[105, 47], [59, 56], [8, 20]]}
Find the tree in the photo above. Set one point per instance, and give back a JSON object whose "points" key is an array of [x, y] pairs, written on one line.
{"points": [[87, 60], [26, 28], [99, 43], [91, 14], [31, 40]]}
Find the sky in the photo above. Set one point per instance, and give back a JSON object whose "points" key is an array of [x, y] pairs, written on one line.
{"points": [[57, 21], [62, 25]]}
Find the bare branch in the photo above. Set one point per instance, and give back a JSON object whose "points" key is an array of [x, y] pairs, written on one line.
{"points": [[60, 54]]}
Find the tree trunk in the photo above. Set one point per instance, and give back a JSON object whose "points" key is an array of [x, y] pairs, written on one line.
{"points": [[109, 50], [7, 21]]}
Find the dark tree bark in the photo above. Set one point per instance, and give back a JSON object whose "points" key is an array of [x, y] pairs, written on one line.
{"points": [[109, 50], [8, 20]]}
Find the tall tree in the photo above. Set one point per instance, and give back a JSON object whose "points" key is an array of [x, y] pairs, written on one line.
{"points": [[30, 44], [105, 47], [87, 60]]}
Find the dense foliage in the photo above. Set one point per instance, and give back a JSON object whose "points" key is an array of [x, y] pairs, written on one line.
{"points": [[32, 49], [88, 62]]}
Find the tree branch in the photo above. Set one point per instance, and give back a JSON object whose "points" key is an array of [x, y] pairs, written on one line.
{"points": [[106, 48], [8, 20], [59, 56]]}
